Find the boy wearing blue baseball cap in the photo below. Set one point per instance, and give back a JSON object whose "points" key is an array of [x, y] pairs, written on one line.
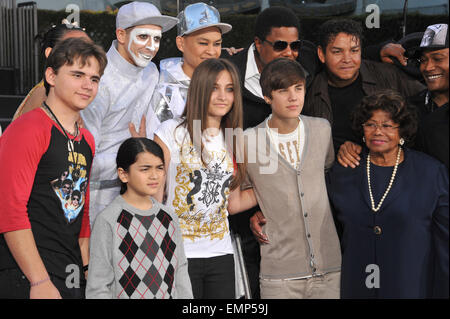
{"points": [[199, 38]]}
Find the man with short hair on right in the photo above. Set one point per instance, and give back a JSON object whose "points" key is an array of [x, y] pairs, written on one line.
{"points": [[277, 35], [432, 103]]}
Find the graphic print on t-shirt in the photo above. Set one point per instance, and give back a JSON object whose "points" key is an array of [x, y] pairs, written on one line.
{"points": [[71, 186], [289, 145], [288, 149], [201, 194]]}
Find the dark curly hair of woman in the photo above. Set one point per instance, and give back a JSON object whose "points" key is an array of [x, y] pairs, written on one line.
{"points": [[390, 102]]}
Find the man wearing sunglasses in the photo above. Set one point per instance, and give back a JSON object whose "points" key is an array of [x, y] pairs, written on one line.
{"points": [[277, 32]]}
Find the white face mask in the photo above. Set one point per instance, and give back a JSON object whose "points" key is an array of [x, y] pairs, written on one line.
{"points": [[143, 45]]}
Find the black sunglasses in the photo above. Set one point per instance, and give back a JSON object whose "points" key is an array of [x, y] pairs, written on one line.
{"points": [[282, 45]]}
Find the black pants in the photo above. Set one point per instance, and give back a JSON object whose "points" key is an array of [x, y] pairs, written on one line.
{"points": [[252, 260], [212, 278], [14, 285]]}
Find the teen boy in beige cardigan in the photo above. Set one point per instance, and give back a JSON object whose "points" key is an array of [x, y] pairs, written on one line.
{"points": [[302, 257]]}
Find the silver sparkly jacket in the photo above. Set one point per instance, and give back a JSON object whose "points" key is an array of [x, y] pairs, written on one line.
{"points": [[169, 97]]}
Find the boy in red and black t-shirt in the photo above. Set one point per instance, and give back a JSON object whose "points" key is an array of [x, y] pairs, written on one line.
{"points": [[44, 176]]}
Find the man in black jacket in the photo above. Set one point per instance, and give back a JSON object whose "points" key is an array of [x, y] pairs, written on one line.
{"points": [[432, 103], [347, 78], [277, 32]]}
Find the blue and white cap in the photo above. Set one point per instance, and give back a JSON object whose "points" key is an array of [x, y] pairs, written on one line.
{"points": [[198, 16]]}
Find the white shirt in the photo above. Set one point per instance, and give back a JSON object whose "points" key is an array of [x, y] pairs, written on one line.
{"points": [[252, 74], [198, 194], [286, 144]]}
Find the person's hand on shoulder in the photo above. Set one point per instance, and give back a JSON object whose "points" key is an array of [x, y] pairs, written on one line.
{"points": [[232, 51], [348, 154], [393, 50]]}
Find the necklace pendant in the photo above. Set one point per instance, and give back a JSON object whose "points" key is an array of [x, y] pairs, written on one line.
{"points": [[70, 145]]}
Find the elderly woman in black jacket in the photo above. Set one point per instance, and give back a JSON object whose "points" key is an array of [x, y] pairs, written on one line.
{"points": [[392, 209]]}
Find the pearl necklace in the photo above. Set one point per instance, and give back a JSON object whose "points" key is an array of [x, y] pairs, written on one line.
{"points": [[394, 172], [272, 139]]}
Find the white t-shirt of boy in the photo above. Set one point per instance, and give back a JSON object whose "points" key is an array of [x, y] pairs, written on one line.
{"points": [[286, 144]]}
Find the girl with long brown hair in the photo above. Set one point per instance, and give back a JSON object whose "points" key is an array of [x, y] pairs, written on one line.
{"points": [[205, 167]]}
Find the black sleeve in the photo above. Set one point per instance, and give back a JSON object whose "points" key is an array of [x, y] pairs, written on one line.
{"points": [[372, 52]]}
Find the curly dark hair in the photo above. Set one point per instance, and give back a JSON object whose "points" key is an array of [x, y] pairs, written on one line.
{"points": [[275, 17], [331, 28], [391, 102]]}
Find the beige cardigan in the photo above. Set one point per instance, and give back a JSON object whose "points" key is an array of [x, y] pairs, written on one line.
{"points": [[300, 226]]}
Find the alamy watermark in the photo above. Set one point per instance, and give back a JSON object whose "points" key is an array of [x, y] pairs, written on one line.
{"points": [[373, 279], [73, 19], [73, 277], [251, 145], [373, 19]]}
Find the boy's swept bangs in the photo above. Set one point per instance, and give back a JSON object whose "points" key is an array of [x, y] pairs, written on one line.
{"points": [[75, 49], [281, 74]]}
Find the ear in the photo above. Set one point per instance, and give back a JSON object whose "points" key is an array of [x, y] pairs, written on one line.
{"points": [[47, 52], [321, 54], [50, 76], [123, 175], [180, 43], [121, 35], [268, 99], [258, 44]]}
